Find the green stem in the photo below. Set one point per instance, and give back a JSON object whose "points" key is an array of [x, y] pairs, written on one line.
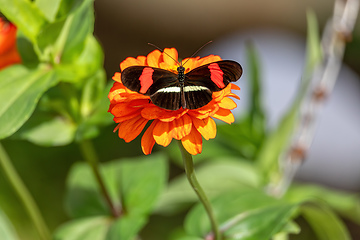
{"points": [[91, 158], [190, 174], [24, 195]]}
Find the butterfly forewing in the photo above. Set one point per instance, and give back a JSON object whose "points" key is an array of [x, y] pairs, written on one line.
{"points": [[215, 76], [142, 79]]}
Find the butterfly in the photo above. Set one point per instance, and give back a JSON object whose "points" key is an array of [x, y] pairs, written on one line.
{"points": [[189, 90]]}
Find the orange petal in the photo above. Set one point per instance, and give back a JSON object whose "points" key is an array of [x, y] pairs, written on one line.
{"points": [[128, 97], [131, 128], [128, 62], [193, 142], [224, 115], [154, 112], [153, 58], [204, 111], [162, 134], [123, 112], [234, 96], [181, 127], [117, 77], [227, 103], [119, 119], [234, 87], [115, 91], [170, 60], [218, 96], [141, 60], [209, 59], [206, 127], [119, 94], [190, 63], [147, 140]]}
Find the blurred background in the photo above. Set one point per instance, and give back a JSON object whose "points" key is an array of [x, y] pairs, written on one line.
{"points": [[278, 29]]}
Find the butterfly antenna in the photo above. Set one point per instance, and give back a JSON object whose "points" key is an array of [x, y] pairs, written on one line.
{"points": [[197, 51], [165, 53]]}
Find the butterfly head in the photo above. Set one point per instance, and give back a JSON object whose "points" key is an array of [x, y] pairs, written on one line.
{"points": [[180, 69]]}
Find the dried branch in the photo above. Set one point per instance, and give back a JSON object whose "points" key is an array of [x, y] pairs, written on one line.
{"points": [[337, 33]]}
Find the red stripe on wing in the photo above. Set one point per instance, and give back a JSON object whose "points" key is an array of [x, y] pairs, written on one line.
{"points": [[216, 75], [146, 79]]}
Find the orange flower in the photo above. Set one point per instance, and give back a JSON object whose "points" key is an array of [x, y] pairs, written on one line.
{"points": [[8, 51], [133, 110]]}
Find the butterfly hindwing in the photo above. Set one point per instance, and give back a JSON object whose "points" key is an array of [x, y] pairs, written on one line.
{"points": [[196, 96], [168, 98]]}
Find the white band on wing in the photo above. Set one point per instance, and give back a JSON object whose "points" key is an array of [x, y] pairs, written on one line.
{"points": [[194, 88], [169, 90], [186, 89]]}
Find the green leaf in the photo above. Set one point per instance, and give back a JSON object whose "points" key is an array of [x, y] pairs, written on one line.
{"points": [[48, 8], [77, 27], [92, 93], [101, 228], [280, 138], [188, 238], [7, 231], [86, 65], [241, 138], [325, 223], [99, 115], [138, 183], [142, 182], [257, 113], [25, 15], [69, 6], [83, 197], [126, 228], [20, 90], [226, 207], [263, 223], [47, 38], [344, 203], [37, 130], [84, 229], [64, 39], [216, 177], [26, 50], [289, 228]]}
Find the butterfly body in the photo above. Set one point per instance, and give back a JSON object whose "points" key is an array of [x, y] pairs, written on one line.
{"points": [[189, 90]]}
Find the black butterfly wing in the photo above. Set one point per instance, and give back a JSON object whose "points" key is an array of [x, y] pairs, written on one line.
{"points": [[161, 85], [196, 96], [202, 81], [215, 76]]}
